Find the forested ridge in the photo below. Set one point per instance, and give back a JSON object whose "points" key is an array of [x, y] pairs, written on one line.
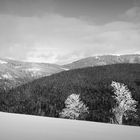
{"points": [[46, 96]]}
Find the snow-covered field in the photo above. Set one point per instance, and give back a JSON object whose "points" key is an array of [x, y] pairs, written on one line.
{"points": [[26, 127]]}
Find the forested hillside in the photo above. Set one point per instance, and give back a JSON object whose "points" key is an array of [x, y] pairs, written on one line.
{"points": [[46, 96]]}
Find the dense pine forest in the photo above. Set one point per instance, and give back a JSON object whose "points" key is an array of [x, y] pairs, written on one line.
{"points": [[46, 96]]}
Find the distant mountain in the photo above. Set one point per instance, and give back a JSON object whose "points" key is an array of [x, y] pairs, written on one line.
{"points": [[103, 60], [46, 96], [14, 73]]}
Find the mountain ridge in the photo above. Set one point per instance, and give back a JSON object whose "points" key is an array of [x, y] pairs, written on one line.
{"points": [[14, 73], [103, 60]]}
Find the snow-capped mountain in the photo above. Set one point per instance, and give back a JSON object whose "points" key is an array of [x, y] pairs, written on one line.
{"points": [[103, 60], [14, 73]]}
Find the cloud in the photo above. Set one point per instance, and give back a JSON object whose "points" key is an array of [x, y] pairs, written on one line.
{"points": [[132, 14], [57, 39], [27, 8]]}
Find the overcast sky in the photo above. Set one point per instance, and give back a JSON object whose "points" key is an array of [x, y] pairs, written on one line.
{"points": [[61, 31]]}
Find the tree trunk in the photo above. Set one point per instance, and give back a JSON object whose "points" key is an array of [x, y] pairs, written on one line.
{"points": [[118, 118]]}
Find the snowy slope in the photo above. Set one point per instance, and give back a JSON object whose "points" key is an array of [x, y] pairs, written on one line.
{"points": [[14, 73], [103, 60], [26, 127]]}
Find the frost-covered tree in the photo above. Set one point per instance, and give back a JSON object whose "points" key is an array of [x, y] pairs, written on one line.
{"points": [[74, 108], [125, 104]]}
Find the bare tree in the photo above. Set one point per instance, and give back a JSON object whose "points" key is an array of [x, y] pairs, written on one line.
{"points": [[125, 104], [74, 107]]}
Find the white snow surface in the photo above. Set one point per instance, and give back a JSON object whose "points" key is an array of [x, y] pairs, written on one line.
{"points": [[97, 57], [66, 69], [7, 76], [28, 127], [3, 62], [17, 67], [34, 69]]}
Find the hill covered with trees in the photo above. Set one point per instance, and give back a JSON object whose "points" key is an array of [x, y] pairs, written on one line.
{"points": [[46, 96]]}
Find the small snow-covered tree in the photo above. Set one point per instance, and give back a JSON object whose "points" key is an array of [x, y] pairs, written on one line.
{"points": [[74, 107], [125, 104]]}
